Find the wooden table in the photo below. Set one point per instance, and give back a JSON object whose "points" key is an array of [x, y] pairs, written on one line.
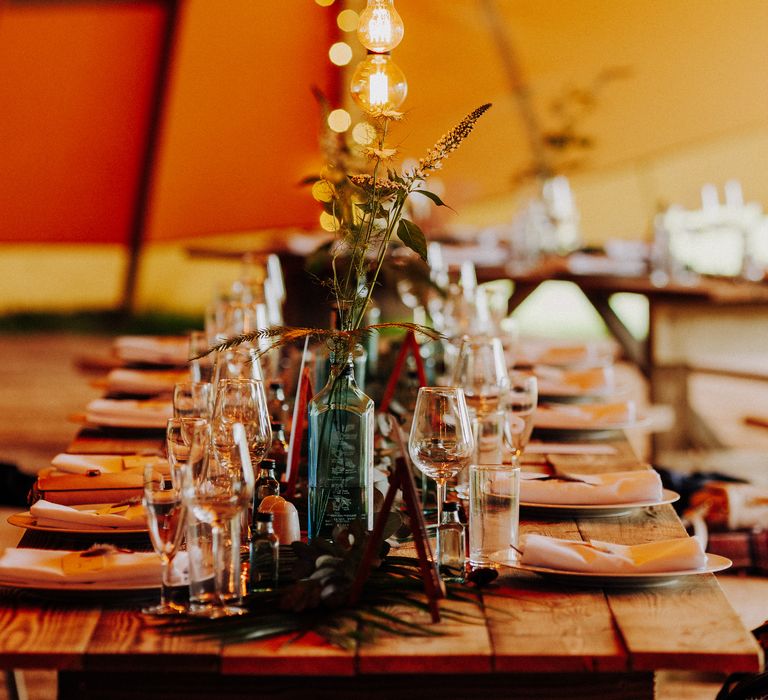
{"points": [[533, 639], [719, 316]]}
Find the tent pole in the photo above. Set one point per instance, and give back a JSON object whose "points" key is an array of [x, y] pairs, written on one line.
{"points": [[139, 218]]}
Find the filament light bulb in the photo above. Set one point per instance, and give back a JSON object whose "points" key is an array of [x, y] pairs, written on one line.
{"points": [[380, 28], [378, 84]]}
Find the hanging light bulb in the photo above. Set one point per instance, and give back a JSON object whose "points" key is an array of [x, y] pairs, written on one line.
{"points": [[380, 28], [378, 84]]}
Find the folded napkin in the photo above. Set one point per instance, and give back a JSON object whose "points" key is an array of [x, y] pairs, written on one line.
{"points": [[560, 382], [50, 514], [585, 416], [569, 448], [681, 554], [592, 489], [148, 381], [87, 464], [46, 566], [102, 464], [156, 350], [129, 413], [541, 351]]}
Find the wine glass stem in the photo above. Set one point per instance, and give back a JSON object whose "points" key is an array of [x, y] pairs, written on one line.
{"points": [[165, 565], [441, 483]]}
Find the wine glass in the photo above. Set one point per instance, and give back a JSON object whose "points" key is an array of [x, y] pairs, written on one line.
{"points": [[241, 401], [187, 443], [166, 519], [441, 442], [237, 363], [192, 400], [201, 367], [481, 370], [519, 405], [217, 495]]}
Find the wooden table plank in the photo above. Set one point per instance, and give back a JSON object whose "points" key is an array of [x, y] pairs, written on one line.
{"points": [[463, 647], [124, 639], [535, 626], [285, 655], [44, 635], [689, 625]]}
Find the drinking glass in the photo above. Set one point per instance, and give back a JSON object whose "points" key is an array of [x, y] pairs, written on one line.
{"points": [[187, 443], [494, 505], [166, 518], [519, 405], [201, 369], [192, 400], [216, 496], [238, 363], [241, 401], [441, 442], [481, 370]]}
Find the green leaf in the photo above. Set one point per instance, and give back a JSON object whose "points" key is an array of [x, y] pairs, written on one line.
{"points": [[434, 198], [413, 237]]}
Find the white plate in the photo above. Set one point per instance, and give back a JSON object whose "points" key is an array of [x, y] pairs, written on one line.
{"points": [[29, 522], [602, 510], [629, 580], [101, 586]]}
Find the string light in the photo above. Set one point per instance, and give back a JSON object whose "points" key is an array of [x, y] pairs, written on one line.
{"points": [[378, 84], [380, 29]]}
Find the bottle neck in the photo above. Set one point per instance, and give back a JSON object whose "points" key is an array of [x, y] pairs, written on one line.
{"points": [[450, 517], [264, 528]]}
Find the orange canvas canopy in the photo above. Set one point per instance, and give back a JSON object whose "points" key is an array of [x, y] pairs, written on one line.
{"points": [[80, 87]]}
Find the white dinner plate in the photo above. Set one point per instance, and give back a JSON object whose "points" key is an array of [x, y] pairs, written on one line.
{"points": [[29, 522], [101, 586], [601, 510], [618, 580]]}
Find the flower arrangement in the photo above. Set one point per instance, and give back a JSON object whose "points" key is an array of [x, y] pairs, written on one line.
{"points": [[367, 210]]}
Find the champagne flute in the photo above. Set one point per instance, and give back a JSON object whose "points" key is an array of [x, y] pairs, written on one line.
{"points": [[166, 518], [481, 370], [441, 442], [519, 405], [216, 496]]}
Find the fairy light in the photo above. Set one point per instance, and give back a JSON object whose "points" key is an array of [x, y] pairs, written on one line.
{"points": [[380, 29], [378, 84]]}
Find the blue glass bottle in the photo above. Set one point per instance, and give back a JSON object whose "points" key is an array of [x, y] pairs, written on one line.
{"points": [[340, 453]]}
